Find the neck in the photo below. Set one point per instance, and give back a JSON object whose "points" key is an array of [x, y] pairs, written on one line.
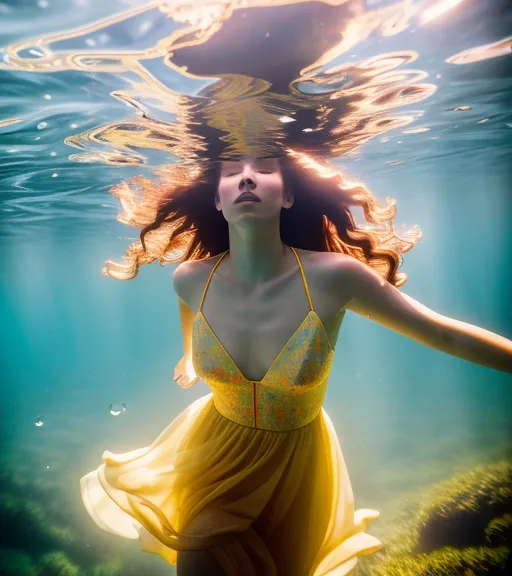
{"points": [[256, 258]]}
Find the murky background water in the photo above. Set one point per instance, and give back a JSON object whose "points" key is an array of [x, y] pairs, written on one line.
{"points": [[75, 344]]}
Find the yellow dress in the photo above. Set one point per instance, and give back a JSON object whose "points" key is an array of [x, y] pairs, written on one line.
{"points": [[252, 471]]}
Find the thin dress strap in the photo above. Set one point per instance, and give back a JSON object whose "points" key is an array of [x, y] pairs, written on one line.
{"points": [[209, 278], [303, 277]]}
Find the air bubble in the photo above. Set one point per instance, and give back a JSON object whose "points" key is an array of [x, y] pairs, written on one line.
{"points": [[116, 409]]}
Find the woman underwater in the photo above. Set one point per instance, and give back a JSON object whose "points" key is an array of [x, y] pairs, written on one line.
{"points": [[250, 479]]}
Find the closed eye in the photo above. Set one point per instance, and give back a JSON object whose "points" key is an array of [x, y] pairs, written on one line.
{"points": [[239, 172]]}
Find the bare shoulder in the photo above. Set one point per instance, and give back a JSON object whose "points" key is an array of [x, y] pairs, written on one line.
{"points": [[188, 276], [347, 280], [324, 263], [329, 274]]}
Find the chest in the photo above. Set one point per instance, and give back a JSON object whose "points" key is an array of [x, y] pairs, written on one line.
{"points": [[256, 333]]}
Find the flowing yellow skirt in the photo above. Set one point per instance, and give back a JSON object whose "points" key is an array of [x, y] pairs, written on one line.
{"points": [[263, 502]]}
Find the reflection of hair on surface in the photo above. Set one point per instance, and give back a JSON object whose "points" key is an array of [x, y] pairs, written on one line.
{"points": [[235, 103], [415, 130], [459, 109], [500, 48]]}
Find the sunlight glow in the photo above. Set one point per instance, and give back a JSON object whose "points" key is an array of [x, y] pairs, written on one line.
{"points": [[438, 10]]}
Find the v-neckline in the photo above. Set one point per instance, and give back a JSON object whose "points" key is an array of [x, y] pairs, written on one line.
{"points": [[235, 365], [276, 359]]}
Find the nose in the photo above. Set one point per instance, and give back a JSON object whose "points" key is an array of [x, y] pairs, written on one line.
{"points": [[248, 180], [247, 184]]}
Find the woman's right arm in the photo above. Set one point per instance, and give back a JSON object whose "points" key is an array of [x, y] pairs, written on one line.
{"points": [[184, 373]]}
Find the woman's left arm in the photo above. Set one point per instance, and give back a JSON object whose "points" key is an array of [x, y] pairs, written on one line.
{"points": [[372, 296]]}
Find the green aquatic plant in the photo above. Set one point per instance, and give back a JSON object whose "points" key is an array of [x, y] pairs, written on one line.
{"points": [[112, 567], [459, 510], [42, 538], [56, 564], [499, 530], [61, 534], [16, 563], [446, 562], [459, 527]]}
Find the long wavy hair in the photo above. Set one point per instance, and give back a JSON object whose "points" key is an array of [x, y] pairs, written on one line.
{"points": [[180, 222]]}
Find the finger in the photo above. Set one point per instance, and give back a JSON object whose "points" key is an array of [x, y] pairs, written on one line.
{"points": [[192, 382], [183, 381]]}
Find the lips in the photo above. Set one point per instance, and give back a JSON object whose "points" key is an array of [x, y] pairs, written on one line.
{"points": [[245, 196]]}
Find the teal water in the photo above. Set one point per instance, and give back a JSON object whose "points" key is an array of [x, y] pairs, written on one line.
{"points": [[75, 342]]}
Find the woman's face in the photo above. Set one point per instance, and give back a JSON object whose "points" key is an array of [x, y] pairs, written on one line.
{"points": [[260, 179]]}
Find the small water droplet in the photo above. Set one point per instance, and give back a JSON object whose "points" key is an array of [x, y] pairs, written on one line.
{"points": [[39, 420], [90, 42], [116, 409], [43, 3], [42, 125], [52, 153], [73, 125], [47, 467], [47, 97], [54, 175]]}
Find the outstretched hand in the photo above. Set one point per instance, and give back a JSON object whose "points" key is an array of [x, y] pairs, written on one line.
{"points": [[184, 373]]}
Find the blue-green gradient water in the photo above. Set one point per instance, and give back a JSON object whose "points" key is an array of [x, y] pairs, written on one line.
{"points": [[74, 342]]}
